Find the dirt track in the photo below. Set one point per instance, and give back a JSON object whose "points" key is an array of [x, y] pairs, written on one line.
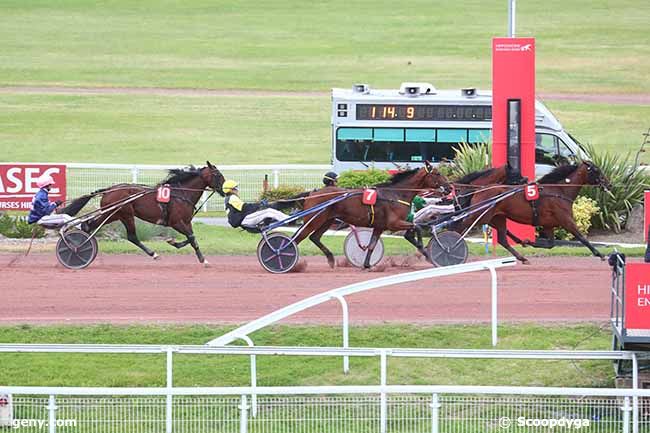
{"points": [[133, 288]]}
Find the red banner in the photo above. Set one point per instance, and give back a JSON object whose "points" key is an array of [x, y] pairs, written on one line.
{"points": [[637, 295], [513, 79], [18, 184]]}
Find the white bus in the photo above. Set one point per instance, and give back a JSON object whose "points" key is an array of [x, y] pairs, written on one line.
{"points": [[391, 129]]}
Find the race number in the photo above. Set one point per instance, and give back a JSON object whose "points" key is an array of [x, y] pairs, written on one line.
{"points": [[369, 196], [532, 192], [164, 194]]}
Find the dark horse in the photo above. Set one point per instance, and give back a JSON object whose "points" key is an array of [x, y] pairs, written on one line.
{"points": [[389, 213], [187, 186], [557, 191]]}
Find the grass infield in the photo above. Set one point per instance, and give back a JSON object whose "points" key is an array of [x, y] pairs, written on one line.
{"points": [[193, 370]]}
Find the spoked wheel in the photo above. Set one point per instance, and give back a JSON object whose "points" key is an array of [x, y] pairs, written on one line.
{"points": [[277, 253], [447, 248], [76, 249], [355, 248]]}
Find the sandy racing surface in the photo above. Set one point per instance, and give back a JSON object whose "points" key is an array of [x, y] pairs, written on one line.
{"points": [[133, 288]]}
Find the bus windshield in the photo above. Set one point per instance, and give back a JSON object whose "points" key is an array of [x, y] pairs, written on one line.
{"points": [[403, 144]]}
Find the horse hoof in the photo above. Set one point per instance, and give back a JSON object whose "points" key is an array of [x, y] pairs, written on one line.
{"points": [[525, 262], [331, 262], [171, 241], [206, 264], [155, 256]]}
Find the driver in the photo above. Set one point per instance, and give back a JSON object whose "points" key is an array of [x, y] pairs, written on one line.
{"points": [[249, 215], [42, 208]]}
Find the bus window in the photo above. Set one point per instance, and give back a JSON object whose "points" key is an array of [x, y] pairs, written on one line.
{"points": [[420, 144], [565, 153], [479, 136], [447, 140], [353, 144], [388, 145], [550, 150]]}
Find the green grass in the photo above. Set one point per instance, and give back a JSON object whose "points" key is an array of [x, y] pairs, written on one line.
{"points": [[249, 130], [193, 370], [591, 46], [215, 240]]}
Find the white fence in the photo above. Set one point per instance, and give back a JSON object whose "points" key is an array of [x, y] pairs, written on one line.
{"points": [[84, 178], [376, 408]]}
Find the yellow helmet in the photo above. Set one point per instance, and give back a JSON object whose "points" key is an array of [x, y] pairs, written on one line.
{"points": [[229, 185]]}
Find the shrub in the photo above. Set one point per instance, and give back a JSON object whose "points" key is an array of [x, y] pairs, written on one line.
{"points": [[470, 158], [18, 228], [627, 186], [584, 210], [361, 179], [281, 193]]}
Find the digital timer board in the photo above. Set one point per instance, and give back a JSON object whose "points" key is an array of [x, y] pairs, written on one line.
{"points": [[461, 113]]}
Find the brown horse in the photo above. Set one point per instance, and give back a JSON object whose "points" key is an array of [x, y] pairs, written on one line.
{"points": [[187, 186], [389, 212], [554, 208]]}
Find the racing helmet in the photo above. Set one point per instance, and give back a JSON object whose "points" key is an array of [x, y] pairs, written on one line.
{"points": [[330, 178], [229, 186], [44, 180]]}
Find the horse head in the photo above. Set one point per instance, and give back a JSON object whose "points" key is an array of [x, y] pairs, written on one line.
{"points": [[594, 175], [433, 179], [213, 178]]}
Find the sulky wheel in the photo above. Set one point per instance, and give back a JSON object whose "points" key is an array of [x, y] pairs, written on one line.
{"points": [[447, 248], [277, 253], [76, 249], [355, 248]]}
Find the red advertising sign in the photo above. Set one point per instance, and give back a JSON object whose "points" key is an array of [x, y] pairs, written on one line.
{"points": [[637, 295], [646, 219], [513, 110], [18, 184]]}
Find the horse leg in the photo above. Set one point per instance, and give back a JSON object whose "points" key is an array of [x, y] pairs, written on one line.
{"points": [[547, 242], [376, 233], [129, 225], [315, 238], [186, 229], [499, 223], [414, 236], [571, 227]]}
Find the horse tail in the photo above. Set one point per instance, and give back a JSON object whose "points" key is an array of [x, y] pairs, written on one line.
{"points": [[295, 201], [77, 204]]}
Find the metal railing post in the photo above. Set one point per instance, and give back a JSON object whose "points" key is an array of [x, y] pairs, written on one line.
{"points": [[134, 174], [383, 399], [253, 376], [346, 336], [493, 275], [626, 414], [276, 178], [435, 412], [635, 399], [170, 383], [243, 415], [51, 410]]}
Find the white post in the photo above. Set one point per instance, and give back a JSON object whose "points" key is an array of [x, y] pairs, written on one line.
{"points": [[205, 203], [493, 274], [253, 376], [134, 174], [635, 399], [383, 399], [276, 178], [512, 6], [243, 415], [51, 408], [626, 415], [346, 337], [435, 409], [170, 379]]}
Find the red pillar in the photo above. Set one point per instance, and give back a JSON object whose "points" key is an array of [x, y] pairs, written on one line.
{"points": [[513, 79]]}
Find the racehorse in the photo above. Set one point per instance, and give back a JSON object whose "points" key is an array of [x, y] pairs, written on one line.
{"points": [[393, 204], [187, 186], [554, 208]]}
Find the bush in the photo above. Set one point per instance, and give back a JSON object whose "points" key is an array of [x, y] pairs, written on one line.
{"points": [[18, 228], [361, 179], [470, 158], [628, 184], [584, 210], [282, 192]]}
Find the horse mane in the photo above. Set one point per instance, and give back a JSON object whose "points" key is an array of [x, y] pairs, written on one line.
{"points": [[399, 177], [559, 173], [178, 176], [469, 178]]}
